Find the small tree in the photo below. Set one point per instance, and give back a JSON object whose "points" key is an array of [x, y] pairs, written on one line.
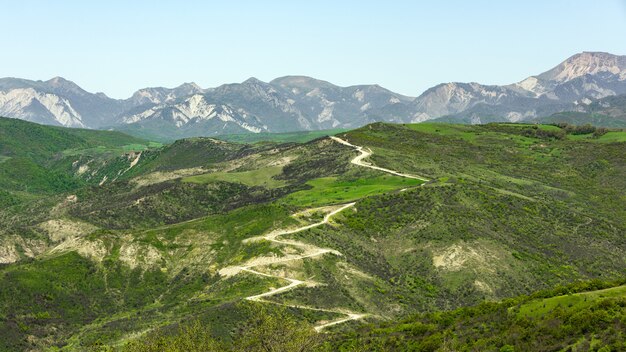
{"points": [[273, 329], [190, 338], [599, 132]]}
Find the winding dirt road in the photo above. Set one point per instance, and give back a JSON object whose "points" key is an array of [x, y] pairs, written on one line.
{"points": [[308, 250], [365, 154]]}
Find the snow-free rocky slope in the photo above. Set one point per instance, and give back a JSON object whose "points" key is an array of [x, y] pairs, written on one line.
{"points": [[302, 103]]}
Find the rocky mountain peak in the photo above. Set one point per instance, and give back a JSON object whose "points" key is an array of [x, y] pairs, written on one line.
{"points": [[61, 84], [586, 63], [253, 81], [190, 87], [58, 81]]}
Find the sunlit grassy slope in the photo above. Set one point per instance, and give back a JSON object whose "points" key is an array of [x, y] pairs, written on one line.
{"points": [[331, 190]]}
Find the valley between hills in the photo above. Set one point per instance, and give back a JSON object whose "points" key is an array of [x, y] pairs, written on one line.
{"points": [[387, 237]]}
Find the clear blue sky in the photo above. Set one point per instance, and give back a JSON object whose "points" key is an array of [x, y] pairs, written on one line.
{"points": [[407, 46]]}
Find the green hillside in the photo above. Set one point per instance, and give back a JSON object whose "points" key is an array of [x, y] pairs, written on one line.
{"points": [[389, 223], [37, 160], [575, 321], [21, 138], [596, 322]]}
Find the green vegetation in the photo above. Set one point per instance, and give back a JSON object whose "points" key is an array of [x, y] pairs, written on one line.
{"points": [[192, 152], [21, 138], [66, 291], [557, 130], [598, 325], [461, 131], [121, 205], [265, 330], [259, 177], [503, 130], [607, 137], [23, 174], [35, 159], [122, 284], [613, 137], [502, 156], [106, 237], [331, 190], [571, 301], [190, 338], [447, 246]]}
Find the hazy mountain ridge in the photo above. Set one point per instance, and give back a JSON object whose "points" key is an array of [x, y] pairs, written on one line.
{"points": [[584, 75], [289, 103], [606, 112], [293, 103]]}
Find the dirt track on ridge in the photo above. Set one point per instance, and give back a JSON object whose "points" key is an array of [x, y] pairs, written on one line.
{"points": [[308, 250]]}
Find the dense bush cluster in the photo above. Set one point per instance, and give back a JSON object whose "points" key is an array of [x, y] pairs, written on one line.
{"points": [[537, 132], [266, 329], [597, 326], [584, 129]]}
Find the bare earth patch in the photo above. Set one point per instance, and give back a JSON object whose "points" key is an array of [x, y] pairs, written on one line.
{"points": [[14, 247], [481, 263], [158, 176], [94, 250], [62, 229], [139, 255]]}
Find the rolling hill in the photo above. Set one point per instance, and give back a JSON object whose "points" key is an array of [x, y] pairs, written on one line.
{"points": [[370, 226]]}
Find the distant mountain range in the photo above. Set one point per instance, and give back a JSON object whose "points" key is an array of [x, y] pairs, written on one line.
{"points": [[302, 103]]}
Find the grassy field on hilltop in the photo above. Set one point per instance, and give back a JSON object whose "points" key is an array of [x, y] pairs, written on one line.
{"points": [[609, 137], [331, 190]]}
